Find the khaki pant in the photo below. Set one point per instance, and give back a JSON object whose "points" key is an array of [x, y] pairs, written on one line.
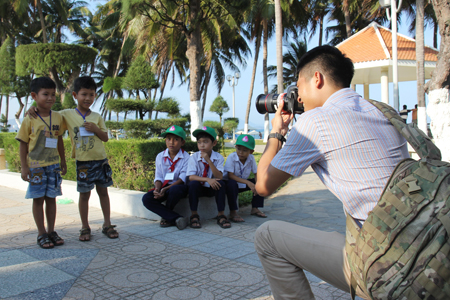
{"points": [[286, 249]]}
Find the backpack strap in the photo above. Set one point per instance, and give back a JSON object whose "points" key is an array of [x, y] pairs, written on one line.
{"points": [[421, 143]]}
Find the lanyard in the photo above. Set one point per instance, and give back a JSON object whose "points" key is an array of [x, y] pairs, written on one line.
{"points": [[242, 169], [83, 116], [49, 127]]}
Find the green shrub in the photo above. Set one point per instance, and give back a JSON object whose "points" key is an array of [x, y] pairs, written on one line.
{"points": [[132, 161], [6, 134]]}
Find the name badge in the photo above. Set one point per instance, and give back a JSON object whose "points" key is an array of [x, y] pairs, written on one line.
{"points": [[51, 143], [241, 185], [169, 176], [84, 132]]}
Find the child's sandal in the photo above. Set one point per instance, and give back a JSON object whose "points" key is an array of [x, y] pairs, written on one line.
{"points": [[222, 221], [43, 240], [55, 238], [85, 235], [110, 232], [195, 222]]}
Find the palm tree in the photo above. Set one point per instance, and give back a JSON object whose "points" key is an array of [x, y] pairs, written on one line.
{"points": [[318, 9], [290, 59]]}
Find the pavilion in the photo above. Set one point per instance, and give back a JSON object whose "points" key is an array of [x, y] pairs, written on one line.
{"points": [[371, 52]]}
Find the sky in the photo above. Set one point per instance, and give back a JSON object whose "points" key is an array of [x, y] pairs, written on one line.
{"points": [[407, 90]]}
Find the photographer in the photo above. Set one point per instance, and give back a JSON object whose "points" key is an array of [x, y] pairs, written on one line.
{"points": [[353, 149]]}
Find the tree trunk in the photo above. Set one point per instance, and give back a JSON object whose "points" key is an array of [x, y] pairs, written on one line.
{"points": [[438, 87], [205, 88], [193, 53], [348, 23], [252, 82], [26, 106], [435, 35], [17, 115], [1, 102], [320, 30], [420, 69], [41, 16], [266, 83], [7, 108], [279, 41]]}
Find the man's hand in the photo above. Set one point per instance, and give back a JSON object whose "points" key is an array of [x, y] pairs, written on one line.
{"points": [[214, 183], [280, 122], [25, 174]]}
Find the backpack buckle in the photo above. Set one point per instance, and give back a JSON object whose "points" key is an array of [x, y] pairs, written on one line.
{"points": [[412, 186]]}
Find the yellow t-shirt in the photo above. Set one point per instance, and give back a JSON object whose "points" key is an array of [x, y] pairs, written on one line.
{"points": [[34, 132], [84, 148]]}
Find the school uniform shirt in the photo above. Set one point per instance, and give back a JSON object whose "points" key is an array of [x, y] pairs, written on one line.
{"points": [[235, 166], [163, 162], [35, 132], [84, 148], [196, 165]]}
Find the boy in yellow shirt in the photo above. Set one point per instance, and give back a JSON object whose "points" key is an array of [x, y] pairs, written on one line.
{"points": [[87, 131], [41, 149]]}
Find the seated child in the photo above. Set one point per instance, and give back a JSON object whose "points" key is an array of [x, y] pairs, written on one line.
{"points": [[238, 166], [205, 170], [170, 178], [41, 150]]}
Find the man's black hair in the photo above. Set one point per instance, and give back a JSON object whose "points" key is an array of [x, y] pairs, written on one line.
{"points": [[84, 82], [42, 83], [405, 107], [329, 61], [205, 135]]}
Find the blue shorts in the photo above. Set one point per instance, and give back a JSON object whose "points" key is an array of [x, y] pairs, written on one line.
{"points": [[93, 173], [44, 181]]}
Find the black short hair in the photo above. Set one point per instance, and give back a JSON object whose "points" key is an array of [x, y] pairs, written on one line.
{"points": [[329, 61], [204, 135], [405, 107], [42, 83], [84, 82]]}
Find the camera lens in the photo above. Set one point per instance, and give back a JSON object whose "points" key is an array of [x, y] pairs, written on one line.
{"points": [[266, 103]]}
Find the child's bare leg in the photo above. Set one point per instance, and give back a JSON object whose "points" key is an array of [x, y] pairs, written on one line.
{"points": [[83, 207], [106, 209], [38, 214], [50, 213]]}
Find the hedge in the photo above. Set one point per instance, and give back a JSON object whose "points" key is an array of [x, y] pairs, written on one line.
{"points": [[132, 160]]}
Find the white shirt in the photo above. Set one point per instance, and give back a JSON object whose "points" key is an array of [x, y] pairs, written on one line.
{"points": [[163, 163], [235, 166], [196, 166]]}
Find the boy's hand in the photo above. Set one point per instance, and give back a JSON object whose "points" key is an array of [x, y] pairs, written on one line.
{"points": [[205, 156], [156, 193], [214, 183], [25, 174], [63, 167], [162, 192], [251, 186], [32, 112], [91, 127]]}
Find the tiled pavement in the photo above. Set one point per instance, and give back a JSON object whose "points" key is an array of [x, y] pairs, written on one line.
{"points": [[149, 262]]}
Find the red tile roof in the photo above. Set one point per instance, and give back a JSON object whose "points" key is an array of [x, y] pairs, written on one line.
{"points": [[372, 42]]}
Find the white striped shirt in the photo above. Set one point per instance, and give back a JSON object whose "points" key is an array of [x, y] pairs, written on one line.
{"points": [[350, 145]]}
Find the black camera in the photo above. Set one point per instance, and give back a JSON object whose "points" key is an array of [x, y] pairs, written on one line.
{"points": [[269, 103]]}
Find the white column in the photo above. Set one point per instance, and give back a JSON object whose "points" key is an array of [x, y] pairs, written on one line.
{"points": [[196, 114], [366, 91], [438, 109], [394, 53], [385, 85]]}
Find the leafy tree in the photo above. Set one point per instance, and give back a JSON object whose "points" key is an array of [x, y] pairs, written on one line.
{"points": [[4, 121], [7, 74], [62, 61], [220, 132], [219, 106]]}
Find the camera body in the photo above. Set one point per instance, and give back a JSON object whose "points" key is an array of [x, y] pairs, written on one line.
{"points": [[269, 103]]}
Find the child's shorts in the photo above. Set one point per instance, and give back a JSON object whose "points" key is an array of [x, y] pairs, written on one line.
{"points": [[44, 181], [93, 173]]}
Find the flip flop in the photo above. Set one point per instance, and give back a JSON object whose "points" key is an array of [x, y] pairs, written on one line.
{"points": [[236, 219], [259, 214]]}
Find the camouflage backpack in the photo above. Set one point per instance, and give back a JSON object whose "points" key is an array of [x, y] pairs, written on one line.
{"points": [[402, 250]]}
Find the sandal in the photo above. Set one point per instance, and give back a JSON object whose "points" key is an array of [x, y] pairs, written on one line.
{"points": [[259, 214], [236, 219], [195, 222], [85, 233], [55, 238], [222, 221], [43, 240], [110, 232], [165, 223]]}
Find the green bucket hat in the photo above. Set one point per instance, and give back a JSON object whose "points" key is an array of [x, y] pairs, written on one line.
{"points": [[246, 140], [176, 130], [207, 130]]}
